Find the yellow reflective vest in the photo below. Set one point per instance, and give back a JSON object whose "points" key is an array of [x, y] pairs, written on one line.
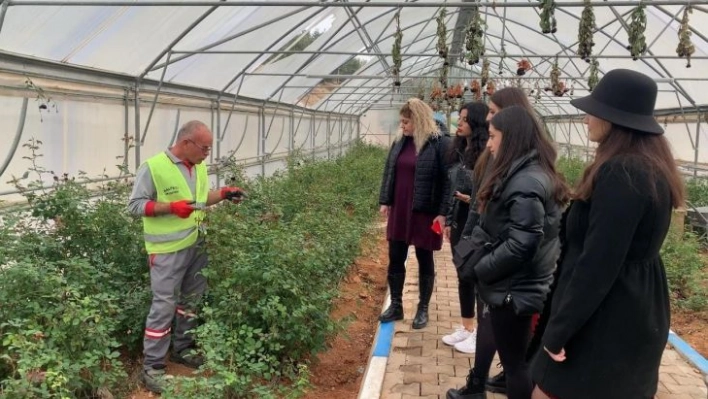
{"points": [[170, 233]]}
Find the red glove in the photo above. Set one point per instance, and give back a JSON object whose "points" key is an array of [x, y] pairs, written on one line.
{"points": [[181, 209], [231, 193]]}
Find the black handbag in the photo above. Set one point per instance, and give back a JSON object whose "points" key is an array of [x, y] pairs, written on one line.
{"points": [[470, 250]]}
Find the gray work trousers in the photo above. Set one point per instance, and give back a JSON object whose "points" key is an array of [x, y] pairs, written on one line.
{"points": [[177, 285]]}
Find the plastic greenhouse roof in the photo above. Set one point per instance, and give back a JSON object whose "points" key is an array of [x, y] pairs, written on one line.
{"points": [[224, 45]]}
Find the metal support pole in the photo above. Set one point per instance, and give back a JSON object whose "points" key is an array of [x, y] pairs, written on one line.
{"points": [[261, 138], [18, 135], [340, 135], [3, 11], [312, 136], [154, 101], [291, 138], [126, 128], [218, 141], [329, 133], [695, 151], [383, 4], [176, 129], [243, 135], [138, 140]]}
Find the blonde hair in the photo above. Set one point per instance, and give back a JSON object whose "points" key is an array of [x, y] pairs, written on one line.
{"points": [[421, 115]]}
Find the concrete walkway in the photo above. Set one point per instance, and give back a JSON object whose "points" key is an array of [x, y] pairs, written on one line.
{"points": [[421, 366]]}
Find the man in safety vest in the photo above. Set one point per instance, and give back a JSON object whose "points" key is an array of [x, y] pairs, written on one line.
{"points": [[171, 190]]}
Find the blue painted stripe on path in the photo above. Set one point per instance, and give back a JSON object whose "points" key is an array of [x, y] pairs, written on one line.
{"points": [[383, 341], [687, 351]]}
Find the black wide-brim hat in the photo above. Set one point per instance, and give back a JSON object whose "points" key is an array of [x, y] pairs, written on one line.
{"points": [[624, 97]]}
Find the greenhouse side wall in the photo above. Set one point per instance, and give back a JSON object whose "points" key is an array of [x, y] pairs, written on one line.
{"points": [[83, 130], [572, 140], [682, 132]]}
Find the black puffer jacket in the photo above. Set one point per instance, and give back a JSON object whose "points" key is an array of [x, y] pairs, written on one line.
{"points": [[460, 180], [431, 177], [525, 216]]}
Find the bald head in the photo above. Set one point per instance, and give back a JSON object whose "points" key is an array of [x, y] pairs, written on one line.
{"points": [[190, 129], [193, 143]]}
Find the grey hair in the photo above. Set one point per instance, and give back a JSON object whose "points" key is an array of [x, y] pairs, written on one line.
{"points": [[189, 128]]}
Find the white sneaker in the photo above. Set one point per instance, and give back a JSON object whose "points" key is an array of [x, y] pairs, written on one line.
{"points": [[469, 345], [459, 335]]}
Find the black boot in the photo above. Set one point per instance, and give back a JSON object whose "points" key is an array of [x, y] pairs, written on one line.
{"points": [[425, 286], [474, 389], [395, 309], [497, 384]]}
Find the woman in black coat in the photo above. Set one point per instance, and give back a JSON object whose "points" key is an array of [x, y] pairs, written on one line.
{"points": [[414, 198], [520, 203], [609, 314], [469, 142]]}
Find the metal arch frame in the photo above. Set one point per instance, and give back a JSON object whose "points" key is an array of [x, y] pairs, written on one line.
{"points": [[228, 38], [319, 52], [302, 66], [562, 45], [274, 3], [253, 61], [312, 57], [674, 83], [598, 30], [415, 40], [521, 47], [378, 40], [366, 38], [504, 28]]}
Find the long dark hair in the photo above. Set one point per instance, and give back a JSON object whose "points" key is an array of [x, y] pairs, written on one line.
{"points": [[521, 135], [503, 98], [472, 146], [652, 149]]}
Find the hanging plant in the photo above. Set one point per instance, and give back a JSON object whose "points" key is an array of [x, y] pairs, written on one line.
{"points": [[458, 90], [593, 79], [685, 47], [535, 91], [443, 76], [557, 87], [548, 18], [396, 51], [587, 24], [442, 34], [637, 41], [476, 89], [490, 88], [523, 66], [485, 71], [475, 37], [501, 60]]}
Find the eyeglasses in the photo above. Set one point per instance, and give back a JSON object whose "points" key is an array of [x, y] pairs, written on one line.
{"points": [[205, 149]]}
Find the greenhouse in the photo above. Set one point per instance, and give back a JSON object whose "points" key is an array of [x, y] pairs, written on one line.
{"points": [[302, 99]]}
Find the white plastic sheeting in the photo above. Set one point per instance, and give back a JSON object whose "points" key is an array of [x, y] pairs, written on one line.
{"points": [[137, 41]]}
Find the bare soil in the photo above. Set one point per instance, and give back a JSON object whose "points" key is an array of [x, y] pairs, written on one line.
{"points": [[338, 372], [692, 327]]}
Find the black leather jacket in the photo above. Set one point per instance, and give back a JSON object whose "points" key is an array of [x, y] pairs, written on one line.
{"points": [[525, 216], [431, 184]]}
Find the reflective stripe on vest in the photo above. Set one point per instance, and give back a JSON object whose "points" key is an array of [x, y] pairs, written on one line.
{"points": [[169, 233]]}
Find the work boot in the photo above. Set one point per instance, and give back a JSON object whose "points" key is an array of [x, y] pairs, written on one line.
{"points": [[497, 384], [395, 309], [425, 287], [155, 378], [474, 389], [188, 357]]}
